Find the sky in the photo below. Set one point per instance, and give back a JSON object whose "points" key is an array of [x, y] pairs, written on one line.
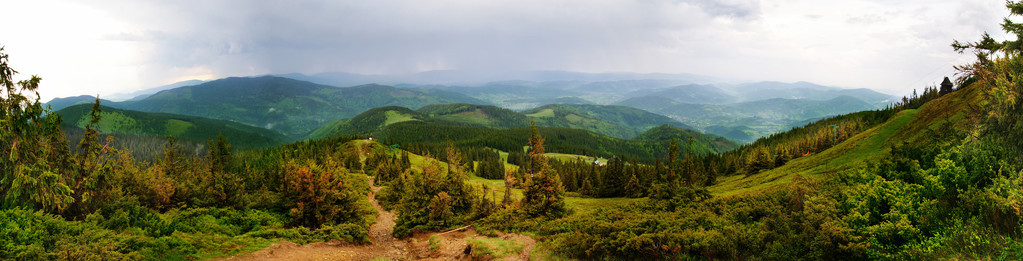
{"points": [[110, 46]]}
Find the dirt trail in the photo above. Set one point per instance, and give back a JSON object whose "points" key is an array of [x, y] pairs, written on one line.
{"points": [[452, 245]]}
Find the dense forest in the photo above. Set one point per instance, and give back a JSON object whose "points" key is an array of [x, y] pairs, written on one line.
{"points": [[936, 175]]}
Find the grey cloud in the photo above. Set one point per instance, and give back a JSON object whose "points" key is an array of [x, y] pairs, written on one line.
{"points": [[728, 38], [733, 8], [403, 36]]}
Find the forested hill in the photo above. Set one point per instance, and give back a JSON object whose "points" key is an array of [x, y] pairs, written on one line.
{"points": [[470, 125], [666, 133], [197, 129], [289, 106], [476, 115], [615, 121]]}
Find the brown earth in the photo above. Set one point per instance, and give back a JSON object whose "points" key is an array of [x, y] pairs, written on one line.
{"points": [[451, 245]]}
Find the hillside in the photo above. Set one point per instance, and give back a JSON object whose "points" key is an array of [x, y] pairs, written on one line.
{"points": [[927, 126], [198, 129], [665, 133], [369, 121], [558, 140], [458, 114], [615, 121], [292, 107], [476, 115]]}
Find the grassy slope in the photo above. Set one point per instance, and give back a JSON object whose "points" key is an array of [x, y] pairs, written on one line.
{"points": [[117, 121], [852, 154], [366, 122], [475, 115], [611, 120]]}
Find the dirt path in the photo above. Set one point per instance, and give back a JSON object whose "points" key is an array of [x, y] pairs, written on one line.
{"points": [[450, 245]]}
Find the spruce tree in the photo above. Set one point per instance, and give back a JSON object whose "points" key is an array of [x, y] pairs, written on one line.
{"points": [[28, 133], [543, 194], [587, 188], [632, 188]]}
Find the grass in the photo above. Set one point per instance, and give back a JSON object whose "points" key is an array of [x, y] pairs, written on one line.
{"points": [[395, 117], [849, 155], [572, 157], [177, 127], [913, 126], [434, 242], [495, 247], [545, 113], [585, 206]]}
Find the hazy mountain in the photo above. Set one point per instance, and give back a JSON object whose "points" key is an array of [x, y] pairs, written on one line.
{"points": [[649, 103], [515, 95], [142, 94], [804, 90], [118, 121], [692, 93], [571, 100], [60, 103], [759, 118]]}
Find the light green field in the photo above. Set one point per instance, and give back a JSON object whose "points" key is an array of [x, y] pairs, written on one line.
{"points": [[495, 247], [572, 157], [395, 117], [177, 127], [545, 113]]}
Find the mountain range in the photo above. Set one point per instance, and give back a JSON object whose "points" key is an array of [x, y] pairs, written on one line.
{"points": [[633, 103]]}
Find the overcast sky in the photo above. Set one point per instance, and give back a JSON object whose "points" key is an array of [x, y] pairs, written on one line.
{"points": [[104, 46]]}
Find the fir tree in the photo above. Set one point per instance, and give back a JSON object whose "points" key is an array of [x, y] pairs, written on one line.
{"points": [[587, 188], [543, 194], [632, 188]]}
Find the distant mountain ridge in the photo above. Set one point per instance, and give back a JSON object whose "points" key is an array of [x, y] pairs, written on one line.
{"points": [[142, 94], [57, 104], [294, 107], [747, 121], [289, 106]]}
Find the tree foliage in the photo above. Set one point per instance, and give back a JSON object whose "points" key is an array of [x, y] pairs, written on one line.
{"points": [[543, 194], [34, 161]]}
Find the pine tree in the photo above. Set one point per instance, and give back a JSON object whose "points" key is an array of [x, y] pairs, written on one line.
{"points": [[632, 188], [586, 189], [543, 194], [507, 201], [34, 152]]}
